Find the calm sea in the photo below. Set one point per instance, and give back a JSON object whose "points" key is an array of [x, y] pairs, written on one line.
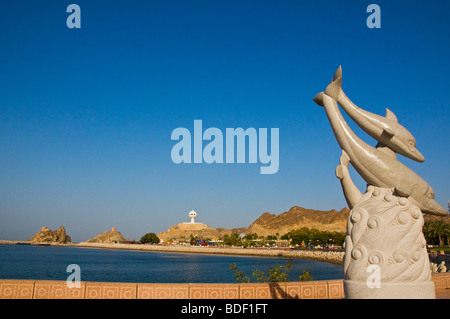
{"points": [[111, 265]]}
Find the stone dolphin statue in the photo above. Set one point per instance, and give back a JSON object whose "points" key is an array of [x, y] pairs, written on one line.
{"points": [[375, 166], [386, 130]]}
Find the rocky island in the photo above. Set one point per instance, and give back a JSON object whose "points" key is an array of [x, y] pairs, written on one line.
{"points": [[46, 235], [108, 237]]}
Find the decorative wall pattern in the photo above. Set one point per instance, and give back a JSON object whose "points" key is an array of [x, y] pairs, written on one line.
{"points": [[43, 289]]}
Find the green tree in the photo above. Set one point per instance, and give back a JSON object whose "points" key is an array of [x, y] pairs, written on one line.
{"points": [[149, 238], [192, 239], [286, 236], [251, 236], [231, 240], [436, 229], [315, 237]]}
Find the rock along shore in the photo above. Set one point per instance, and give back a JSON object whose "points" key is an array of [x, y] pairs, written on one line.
{"points": [[334, 257]]}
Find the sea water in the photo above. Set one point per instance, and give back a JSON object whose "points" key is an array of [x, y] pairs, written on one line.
{"points": [[114, 265]]}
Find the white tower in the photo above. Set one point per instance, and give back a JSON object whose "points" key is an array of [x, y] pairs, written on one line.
{"points": [[192, 214]]}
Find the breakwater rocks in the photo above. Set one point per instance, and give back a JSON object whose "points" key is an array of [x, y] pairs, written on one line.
{"points": [[334, 257]]}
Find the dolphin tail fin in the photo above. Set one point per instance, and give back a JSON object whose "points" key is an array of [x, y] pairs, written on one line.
{"points": [[338, 73], [335, 87], [319, 99]]}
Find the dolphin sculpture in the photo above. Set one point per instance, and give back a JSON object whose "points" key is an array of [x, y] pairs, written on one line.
{"points": [[386, 130], [375, 166]]}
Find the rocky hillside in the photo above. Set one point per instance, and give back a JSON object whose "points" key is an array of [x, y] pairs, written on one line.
{"points": [[111, 236], [298, 217], [46, 235], [267, 224], [225, 231], [183, 231]]}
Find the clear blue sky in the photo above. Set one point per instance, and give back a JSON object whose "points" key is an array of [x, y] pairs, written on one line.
{"points": [[86, 114]]}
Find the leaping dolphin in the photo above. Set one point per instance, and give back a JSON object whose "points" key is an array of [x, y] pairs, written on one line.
{"points": [[376, 167], [386, 130]]}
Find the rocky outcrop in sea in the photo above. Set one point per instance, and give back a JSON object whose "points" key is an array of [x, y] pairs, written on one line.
{"points": [[46, 235]]}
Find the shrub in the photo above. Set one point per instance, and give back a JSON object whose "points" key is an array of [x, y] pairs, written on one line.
{"points": [[149, 238], [278, 273]]}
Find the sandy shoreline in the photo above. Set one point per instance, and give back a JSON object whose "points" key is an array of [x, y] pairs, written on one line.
{"points": [[334, 257]]}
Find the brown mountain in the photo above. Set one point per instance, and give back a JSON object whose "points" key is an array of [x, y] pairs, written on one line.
{"points": [[298, 217], [225, 231], [46, 235], [183, 232], [111, 236]]}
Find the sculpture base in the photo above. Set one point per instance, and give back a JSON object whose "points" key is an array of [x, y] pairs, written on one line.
{"points": [[389, 290], [385, 250]]}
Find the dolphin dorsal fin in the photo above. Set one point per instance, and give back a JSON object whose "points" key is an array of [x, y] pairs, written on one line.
{"points": [[390, 115]]}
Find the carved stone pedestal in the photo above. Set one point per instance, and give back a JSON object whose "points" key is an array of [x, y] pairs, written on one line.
{"points": [[406, 290], [385, 250]]}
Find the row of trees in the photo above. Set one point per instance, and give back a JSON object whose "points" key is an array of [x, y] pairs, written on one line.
{"points": [[435, 232], [299, 237], [314, 237]]}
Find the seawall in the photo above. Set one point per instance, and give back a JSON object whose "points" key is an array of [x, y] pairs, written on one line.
{"points": [[327, 289]]}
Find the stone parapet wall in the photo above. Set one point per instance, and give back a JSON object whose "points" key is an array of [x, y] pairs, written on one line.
{"points": [[441, 280], [43, 289]]}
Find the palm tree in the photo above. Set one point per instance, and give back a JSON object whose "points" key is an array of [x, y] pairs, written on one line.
{"points": [[437, 228], [426, 229]]}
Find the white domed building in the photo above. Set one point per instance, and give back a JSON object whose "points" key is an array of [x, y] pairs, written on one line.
{"points": [[192, 215]]}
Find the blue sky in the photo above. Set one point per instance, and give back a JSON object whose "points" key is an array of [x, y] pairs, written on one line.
{"points": [[86, 115]]}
